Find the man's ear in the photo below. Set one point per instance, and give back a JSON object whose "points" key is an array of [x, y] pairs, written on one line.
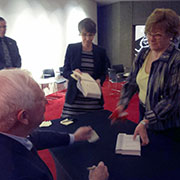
{"points": [[23, 117]]}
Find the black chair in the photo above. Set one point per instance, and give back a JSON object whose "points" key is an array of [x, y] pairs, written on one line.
{"points": [[119, 68], [47, 73], [116, 73], [61, 70], [51, 84]]}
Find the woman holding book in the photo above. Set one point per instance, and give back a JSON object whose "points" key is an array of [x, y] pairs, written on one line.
{"points": [[84, 57], [156, 77]]}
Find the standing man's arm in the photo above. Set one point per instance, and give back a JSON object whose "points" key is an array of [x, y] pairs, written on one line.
{"points": [[17, 62], [14, 52]]}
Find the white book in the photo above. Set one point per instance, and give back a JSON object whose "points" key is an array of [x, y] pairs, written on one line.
{"points": [[87, 85], [127, 146]]}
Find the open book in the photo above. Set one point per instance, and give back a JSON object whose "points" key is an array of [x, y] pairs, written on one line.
{"points": [[87, 85], [127, 146]]}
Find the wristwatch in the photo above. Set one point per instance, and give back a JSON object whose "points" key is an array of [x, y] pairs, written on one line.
{"points": [[144, 123]]}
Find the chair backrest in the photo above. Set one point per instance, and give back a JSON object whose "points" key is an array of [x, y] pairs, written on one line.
{"points": [[112, 74], [61, 70], [119, 68], [47, 73]]}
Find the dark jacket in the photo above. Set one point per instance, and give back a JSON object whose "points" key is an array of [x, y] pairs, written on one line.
{"points": [[73, 61], [18, 163], [13, 52]]}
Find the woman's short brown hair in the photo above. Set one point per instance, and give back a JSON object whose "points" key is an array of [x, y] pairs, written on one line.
{"points": [[87, 24], [167, 18]]}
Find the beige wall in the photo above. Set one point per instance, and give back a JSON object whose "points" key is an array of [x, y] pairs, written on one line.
{"points": [[43, 28]]}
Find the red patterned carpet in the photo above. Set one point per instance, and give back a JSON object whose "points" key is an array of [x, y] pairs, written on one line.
{"points": [[111, 96]]}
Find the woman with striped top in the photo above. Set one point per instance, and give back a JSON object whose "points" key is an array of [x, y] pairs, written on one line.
{"points": [[84, 57], [156, 77]]}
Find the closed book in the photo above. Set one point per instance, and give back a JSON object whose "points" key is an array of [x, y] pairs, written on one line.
{"points": [[126, 145], [87, 85]]}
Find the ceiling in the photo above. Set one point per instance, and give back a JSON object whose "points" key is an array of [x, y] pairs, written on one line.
{"points": [[104, 2]]}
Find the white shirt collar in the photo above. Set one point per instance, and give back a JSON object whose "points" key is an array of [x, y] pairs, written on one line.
{"points": [[24, 141]]}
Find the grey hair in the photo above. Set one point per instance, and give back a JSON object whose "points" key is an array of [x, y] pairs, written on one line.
{"points": [[18, 92]]}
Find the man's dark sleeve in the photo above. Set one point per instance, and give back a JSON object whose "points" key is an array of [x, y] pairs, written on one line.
{"points": [[49, 139]]}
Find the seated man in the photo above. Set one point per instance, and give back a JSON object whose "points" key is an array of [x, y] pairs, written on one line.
{"points": [[22, 107]]}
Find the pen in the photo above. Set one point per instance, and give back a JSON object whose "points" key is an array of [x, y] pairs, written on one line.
{"points": [[91, 168]]}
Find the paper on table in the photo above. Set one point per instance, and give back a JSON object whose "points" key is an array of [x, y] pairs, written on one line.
{"points": [[66, 121], [45, 124], [94, 137]]}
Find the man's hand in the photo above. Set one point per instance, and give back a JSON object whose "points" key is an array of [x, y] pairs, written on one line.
{"points": [[99, 173], [141, 130], [82, 133]]}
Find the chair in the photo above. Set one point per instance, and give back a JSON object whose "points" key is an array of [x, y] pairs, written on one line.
{"points": [[119, 72], [60, 82], [49, 85], [116, 74], [61, 70], [47, 73]]}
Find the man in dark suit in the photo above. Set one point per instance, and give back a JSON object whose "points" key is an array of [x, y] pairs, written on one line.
{"points": [[22, 107], [9, 53]]}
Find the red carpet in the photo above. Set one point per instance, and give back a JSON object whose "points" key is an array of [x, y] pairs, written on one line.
{"points": [[111, 96]]}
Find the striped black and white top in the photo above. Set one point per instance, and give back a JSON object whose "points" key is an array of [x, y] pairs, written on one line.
{"points": [[83, 104]]}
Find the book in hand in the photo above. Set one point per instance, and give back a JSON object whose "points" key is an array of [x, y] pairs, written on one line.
{"points": [[127, 146], [87, 85]]}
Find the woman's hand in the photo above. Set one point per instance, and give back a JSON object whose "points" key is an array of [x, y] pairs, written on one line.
{"points": [[116, 113], [141, 130], [78, 70], [98, 81]]}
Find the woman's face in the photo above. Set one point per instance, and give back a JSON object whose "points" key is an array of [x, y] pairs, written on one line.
{"points": [[87, 38], [158, 40]]}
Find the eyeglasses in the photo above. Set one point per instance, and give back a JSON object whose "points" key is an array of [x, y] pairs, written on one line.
{"points": [[4, 27], [156, 35]]}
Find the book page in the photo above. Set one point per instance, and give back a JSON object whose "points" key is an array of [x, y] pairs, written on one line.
{"points": [[131, 144], [91, 88], [86, 77], [82, 76], [87, 85], [127, 146]]}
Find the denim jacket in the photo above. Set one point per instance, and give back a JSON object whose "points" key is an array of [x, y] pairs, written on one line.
{"points": [[163, 91]]}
